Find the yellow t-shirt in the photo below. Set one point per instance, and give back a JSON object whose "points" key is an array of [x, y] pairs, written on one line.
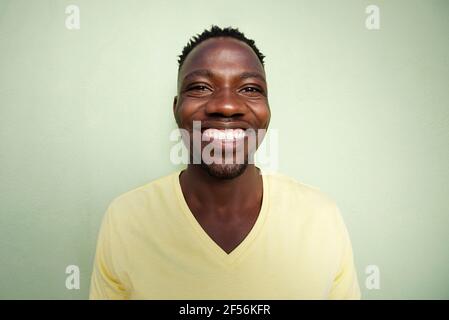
{"points": [[150, 246]]}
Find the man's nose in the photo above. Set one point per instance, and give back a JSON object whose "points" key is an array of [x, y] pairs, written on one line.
{"points": [[225, 104]]}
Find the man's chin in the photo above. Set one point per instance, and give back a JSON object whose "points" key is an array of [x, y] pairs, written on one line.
{"points": [[224, 171]]}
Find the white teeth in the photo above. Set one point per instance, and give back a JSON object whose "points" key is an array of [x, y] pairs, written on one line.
{"points": [[227, 134]]}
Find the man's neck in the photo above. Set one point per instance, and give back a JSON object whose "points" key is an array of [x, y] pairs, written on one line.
{"points": [[222, 195]]}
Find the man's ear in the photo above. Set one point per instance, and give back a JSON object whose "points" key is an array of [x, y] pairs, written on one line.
{"points": [[175, 102]]}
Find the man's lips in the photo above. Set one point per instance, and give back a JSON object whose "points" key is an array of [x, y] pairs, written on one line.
{"points": [[223, 125]]}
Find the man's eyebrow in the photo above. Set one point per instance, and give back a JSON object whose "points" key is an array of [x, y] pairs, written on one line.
{"points": [[257, 75], [209, 74], [199, 73]]}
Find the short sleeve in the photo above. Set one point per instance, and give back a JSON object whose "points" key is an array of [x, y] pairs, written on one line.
{"points": [[105, 283], [345, 285]]}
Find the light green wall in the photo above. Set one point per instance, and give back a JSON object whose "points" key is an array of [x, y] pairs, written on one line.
{"points": [[85, 116]]}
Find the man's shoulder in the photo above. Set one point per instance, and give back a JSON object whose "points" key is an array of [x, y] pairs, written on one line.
{"points": [[143, 194], [291, 182], [293, 190]]}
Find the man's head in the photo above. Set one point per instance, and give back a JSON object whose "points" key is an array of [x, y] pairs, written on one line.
{"points": [[221, 83]]}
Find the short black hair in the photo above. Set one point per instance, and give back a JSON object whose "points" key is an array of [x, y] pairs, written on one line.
{"points": [[214, 32]]}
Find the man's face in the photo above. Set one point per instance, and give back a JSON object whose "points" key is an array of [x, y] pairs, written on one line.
{"points": [[222, 84]]}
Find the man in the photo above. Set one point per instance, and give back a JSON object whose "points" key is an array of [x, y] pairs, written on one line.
{"points": [[223, 229]]}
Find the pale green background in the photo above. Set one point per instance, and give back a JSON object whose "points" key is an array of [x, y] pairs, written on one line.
{"points": [[86, 114]]}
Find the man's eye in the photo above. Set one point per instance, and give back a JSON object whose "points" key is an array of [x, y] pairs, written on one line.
{"points": [[197, 88], [251, 90]]}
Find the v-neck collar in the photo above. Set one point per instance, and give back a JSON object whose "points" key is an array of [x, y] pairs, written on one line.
{"points": [[212, 247]]}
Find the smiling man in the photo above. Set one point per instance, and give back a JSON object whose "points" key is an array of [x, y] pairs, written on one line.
{"points": [[223, 229]]}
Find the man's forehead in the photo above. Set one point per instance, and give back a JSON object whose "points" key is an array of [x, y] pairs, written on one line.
{"points": [[221, 55]]}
